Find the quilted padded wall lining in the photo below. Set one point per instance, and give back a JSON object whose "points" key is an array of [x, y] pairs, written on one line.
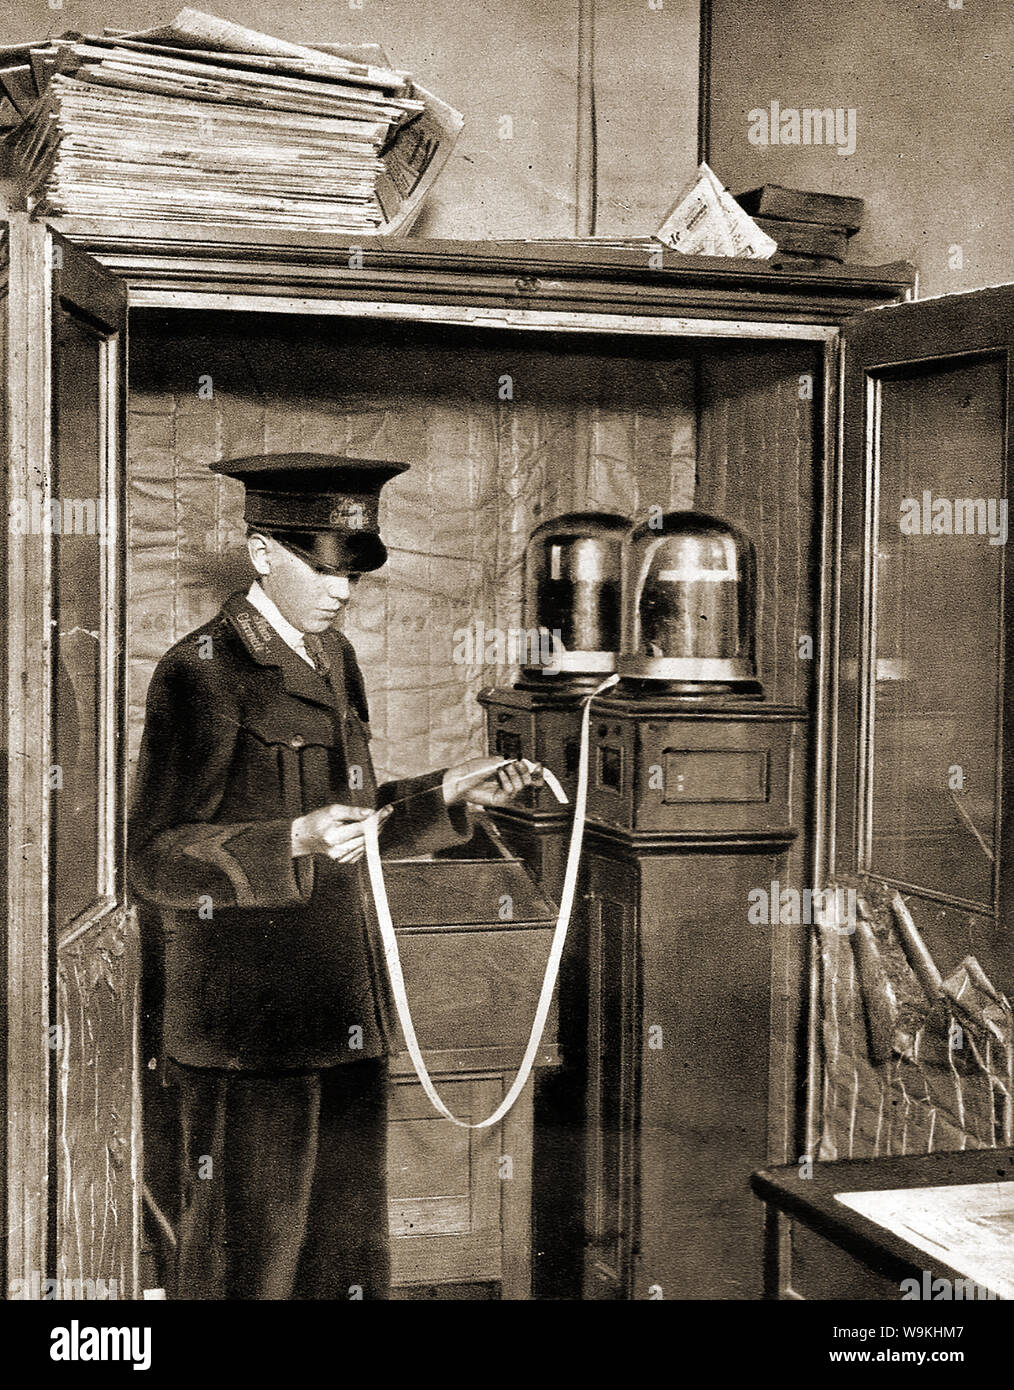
{"points": [[605, 425]]}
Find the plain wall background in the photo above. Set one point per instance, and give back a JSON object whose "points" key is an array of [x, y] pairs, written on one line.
{"points": [[933, 90]]}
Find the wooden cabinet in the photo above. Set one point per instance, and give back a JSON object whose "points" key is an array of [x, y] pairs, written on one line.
{"points": [[460, 1199], [918, 698], [733, 337]]}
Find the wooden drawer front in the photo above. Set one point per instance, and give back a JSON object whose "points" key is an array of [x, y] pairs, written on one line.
{"points": [[674, 775], [716, 776], [474, 988], [444, 1186], [731, 775]]}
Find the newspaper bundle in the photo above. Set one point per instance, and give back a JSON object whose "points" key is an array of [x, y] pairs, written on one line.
{"points": [[201, 120]]}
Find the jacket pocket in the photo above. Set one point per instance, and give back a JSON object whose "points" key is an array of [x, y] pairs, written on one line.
{"points": [[285, 764]]}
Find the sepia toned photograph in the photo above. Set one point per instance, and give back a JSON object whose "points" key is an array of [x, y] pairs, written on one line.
{"points": [[505, 665]]}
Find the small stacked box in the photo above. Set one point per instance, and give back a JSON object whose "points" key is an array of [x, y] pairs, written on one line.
{"points": [[201, 121], [809, 227]]}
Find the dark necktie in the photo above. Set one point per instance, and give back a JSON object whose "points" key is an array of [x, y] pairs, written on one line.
{"points": [[315, 651]]}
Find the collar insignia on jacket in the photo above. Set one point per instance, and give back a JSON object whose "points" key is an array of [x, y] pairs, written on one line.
{"points": [[261, 640], [267, 647], [255, 628]]}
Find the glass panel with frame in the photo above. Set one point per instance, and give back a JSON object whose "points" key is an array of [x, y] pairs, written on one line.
{"points": [[83, 525], [935, 623]]}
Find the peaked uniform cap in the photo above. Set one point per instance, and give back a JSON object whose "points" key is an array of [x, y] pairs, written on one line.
{"points": [[322, 506]]}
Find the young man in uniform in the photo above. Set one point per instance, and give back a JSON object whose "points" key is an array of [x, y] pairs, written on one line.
{"points": [[254, 778]]}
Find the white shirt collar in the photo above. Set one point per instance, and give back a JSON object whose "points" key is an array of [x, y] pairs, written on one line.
{"points": [[291, 636]]}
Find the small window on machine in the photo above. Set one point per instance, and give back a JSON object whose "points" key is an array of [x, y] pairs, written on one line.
{"points": [[571, 756], [508, 743], [610, 767], [717, 776]]}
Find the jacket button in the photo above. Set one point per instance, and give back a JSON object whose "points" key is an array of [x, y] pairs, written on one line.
{"points": [[296, 742]]}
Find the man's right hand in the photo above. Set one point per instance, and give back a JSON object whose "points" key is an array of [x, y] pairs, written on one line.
{"points": [[332, 830]]}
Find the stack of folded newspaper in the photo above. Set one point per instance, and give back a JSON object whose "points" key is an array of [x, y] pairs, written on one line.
{"points": [[203, 121]]}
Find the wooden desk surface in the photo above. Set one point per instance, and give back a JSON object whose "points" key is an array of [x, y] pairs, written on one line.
{"points": [[812, 1201]]}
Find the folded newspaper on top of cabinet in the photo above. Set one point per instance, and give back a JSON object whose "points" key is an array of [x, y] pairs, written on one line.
{"points": [[707, 221]]}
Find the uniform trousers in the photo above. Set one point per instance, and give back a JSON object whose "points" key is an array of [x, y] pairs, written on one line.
{"points": [[283, 1183]]}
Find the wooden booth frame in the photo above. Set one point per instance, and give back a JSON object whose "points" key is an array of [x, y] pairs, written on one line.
{"points": [[76, 266]]}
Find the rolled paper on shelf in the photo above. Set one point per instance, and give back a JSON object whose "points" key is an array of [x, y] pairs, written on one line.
{"points": [[916, 950], [829, 918], [960, 989], [981, 980], [969, 1010]]}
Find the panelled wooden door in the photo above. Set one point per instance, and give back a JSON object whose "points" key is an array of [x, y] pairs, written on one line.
{"points": [[72, 1160], [923, 708]]}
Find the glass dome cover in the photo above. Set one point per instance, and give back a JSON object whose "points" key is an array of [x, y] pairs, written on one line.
{"points": [[573, 581], [689, 603]]}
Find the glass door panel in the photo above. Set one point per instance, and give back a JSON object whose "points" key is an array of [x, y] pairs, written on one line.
{"points": [[84, 607], [935, 627], [72, 1156]]}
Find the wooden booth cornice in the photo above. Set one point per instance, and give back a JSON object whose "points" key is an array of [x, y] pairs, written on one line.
{"points": [[229, 267]]}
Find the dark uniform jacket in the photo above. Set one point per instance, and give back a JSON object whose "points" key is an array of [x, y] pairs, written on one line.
{"points": [[271, 963]]}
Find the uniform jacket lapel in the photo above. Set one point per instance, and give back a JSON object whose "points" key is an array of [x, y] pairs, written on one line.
{"points": [[267, 647]]}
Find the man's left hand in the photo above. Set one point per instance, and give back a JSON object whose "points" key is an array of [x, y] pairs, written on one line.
{"points": [[489, 781]]}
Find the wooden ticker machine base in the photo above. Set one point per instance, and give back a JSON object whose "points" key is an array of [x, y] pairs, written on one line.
{"points": [[541, 719], [665, 993], [688, 810]]}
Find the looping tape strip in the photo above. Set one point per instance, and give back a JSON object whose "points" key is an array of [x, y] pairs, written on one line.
{"points": [[393, 959]]}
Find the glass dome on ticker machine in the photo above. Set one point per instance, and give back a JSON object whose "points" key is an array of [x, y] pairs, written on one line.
{"points": [[688, 612], [573, 579]]}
